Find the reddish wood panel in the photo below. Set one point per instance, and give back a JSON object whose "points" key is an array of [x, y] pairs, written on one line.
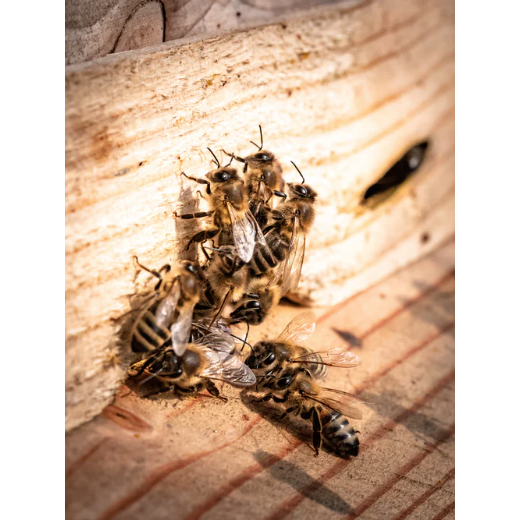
{"points": [[201, 458]]}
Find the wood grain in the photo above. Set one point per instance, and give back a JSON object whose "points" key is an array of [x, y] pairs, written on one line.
{"points": [[95, 28], [343, 94], [205, 459]]}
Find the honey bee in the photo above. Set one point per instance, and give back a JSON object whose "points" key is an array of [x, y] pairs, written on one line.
{"points": [[285, 238], [213, 358], [275, 268], [227, 279], [166, 316], [263, 173], [326, 408], [270, 357], [233, 222]]}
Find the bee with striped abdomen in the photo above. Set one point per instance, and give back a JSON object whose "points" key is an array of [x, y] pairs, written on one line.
{"points": [[212, 358], [233, 223], [165, 317], [326, 408]]}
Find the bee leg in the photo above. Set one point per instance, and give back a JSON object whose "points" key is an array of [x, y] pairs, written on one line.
{"points": [[213, 390], [200, 181], [145, 365], [264, 399], [288, 411], [202, 236], [316, 430], [199, 214], [151, 271], [160, 391]]}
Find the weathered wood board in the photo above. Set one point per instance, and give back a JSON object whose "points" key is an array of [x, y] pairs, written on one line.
{"points": [[95, 28], [343, 94], [201, 458]]}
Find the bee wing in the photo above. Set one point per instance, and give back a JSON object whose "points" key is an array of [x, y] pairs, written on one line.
{"points": [[289, 271], [246, 232], [228, 368], [166, 309], [299, 329], [293, 269], [219, 340], [342, 402], [336, 357], [181, 329]]}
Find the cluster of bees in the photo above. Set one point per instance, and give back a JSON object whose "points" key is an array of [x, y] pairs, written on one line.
{"points": [[183, 328]]}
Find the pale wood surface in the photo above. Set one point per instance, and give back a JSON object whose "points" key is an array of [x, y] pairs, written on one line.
{"points": [[343, 95], [201, 458], [95, 28]]}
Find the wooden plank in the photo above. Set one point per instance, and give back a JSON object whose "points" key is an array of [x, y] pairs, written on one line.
{"points": [[200, 458], [344, 95], [95, 28]]}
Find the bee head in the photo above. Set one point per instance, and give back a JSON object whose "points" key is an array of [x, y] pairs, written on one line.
{"points": [[168, 364], [222, 175], [302, 191], [262, 356]]}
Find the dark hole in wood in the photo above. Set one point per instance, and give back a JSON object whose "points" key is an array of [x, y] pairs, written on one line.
{"points": [[407, 165]]}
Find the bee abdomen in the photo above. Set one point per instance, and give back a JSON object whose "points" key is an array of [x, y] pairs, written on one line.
{"points": [[263, 260], [318, 370], [147, 335], [338, 432]]}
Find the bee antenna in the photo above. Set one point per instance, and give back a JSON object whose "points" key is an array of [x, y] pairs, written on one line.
{"points": [[216, 161], [261, 139], [151, 377], [232, 157], [298, 170], [245, 342]]}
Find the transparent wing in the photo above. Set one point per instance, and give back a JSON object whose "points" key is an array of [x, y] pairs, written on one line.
{"points": [[336, 357], [299, 329], [166, 309], [246, 232], [293, 269], [288, 273], [181, 329], [228, 368], [342, 402], [219, 340]]}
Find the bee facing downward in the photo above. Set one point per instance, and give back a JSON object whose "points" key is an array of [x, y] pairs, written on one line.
{"points": [[232, 221], [166, 316]]}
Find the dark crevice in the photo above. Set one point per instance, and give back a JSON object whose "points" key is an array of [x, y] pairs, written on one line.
{"points": [[406, 166]]}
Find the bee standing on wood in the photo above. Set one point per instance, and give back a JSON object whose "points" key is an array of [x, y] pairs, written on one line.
{"points": [[263, 174], [167, 315], [232, 221], [326, 408], [270, 357], [210, 359]]}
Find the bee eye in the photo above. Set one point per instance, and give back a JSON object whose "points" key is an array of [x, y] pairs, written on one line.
{"points": [[262, 157], [270, 358], [301, 190], [283, 382], [222, 176]]}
